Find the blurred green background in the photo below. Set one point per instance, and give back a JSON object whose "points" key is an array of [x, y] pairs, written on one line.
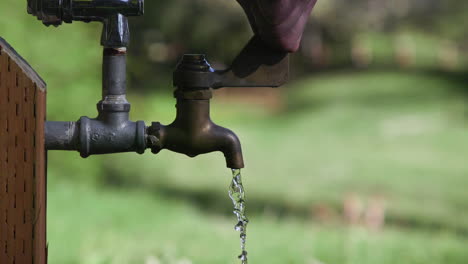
{"points": [[360, 159]]}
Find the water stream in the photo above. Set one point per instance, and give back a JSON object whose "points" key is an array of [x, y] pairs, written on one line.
{"points": [[237, 195]]}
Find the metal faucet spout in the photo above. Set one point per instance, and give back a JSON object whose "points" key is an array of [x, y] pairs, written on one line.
{"points": [[193, 133], [231, 148]]}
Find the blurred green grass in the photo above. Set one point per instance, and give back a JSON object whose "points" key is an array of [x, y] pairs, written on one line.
{"points": [[392, 135], [96, 226]]}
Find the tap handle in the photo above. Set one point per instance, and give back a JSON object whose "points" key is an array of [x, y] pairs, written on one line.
{"points": [[257, 65]]}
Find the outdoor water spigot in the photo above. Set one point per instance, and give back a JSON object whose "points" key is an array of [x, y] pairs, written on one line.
{"points": [[193, 132], [112, 13]]}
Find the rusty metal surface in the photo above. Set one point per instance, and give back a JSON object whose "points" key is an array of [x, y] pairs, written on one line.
{"points": [[22, 161]]}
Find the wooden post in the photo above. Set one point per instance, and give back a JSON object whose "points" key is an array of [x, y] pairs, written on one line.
{"points": [[22, 161]]}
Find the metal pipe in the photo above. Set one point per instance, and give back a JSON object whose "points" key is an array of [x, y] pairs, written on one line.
{"points": [[114, 72], [54, 12], [111, 131], [84, 9], [61, 135], [114, 81]]}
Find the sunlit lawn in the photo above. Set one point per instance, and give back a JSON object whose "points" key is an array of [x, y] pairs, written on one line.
{"points": [[397, 137], [101, 226]]}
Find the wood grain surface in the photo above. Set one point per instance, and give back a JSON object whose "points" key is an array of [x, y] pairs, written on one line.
{"points": [[22, 161]]}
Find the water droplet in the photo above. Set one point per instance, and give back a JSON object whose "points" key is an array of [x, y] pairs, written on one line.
{"points": [[239, 226]]}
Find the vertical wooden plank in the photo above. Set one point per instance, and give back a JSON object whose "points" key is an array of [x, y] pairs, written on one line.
{"points": [[12, 162], [29, 169], [3, 158], [21, 171], [40, 180], [16, 116]]}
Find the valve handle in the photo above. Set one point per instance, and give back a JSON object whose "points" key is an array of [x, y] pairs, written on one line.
{"points": [[257, 65]]}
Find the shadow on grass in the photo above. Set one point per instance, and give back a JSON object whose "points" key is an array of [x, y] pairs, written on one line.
{"points": [[218, 203]]}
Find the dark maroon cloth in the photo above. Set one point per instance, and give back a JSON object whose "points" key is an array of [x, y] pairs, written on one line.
{"points": [[280, 23]]}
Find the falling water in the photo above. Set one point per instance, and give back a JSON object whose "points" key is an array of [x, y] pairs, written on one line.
{"points": [[237, 195]]}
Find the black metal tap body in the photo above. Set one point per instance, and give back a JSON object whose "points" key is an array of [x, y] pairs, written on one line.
{"points": [[194, 133]]}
